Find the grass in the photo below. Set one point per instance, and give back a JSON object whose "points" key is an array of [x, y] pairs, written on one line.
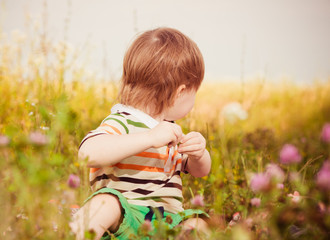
{"points": [[37, 202]]}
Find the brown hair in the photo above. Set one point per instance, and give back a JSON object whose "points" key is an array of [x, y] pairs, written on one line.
{"points": [[156, 64]]}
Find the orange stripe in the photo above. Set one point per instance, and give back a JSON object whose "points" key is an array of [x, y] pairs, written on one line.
{"points": [[114, 128], [108, 132], [93, 170], [138, 167], [152, 155], [177, 162]]}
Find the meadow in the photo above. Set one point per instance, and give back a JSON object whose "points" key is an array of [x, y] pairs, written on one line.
{"points": [[269, 143]]}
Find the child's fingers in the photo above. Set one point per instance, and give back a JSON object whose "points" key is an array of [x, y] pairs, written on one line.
{"points": [[177, 135], [190, 148], [196, 136], [188, 136], [193, 139]]}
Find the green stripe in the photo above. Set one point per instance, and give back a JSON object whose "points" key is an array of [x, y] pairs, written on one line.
{"points": [[158, 199], [120, 122], [137, 124], [155, 199]]}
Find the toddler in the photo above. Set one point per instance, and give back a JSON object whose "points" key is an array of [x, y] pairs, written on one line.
{"points": [[137, 153]]}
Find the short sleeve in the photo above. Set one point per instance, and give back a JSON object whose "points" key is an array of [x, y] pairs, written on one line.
{"points": [[114, 124]]}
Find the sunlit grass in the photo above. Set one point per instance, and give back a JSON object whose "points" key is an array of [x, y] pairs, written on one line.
{"points": [[36, 97]]}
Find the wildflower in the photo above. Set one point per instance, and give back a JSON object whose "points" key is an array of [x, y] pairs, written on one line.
{"points": [[4, 141], [232, 223], [233, 112], [325, 134], [169, 219], [295, 197], [236, 218], [275, 172], [289, 154], [198, 200], [280, 186], [38, 138], [249, 222], [260, 182], [73, 181], [322, 208], [255, 202], [323, 176], [146, 227]]}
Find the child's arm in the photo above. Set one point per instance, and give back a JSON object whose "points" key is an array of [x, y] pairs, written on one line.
{"points": [[199, 160], [105, 150]]}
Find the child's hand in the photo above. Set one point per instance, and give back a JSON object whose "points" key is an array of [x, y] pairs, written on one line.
{"points": [[165, 134], [193, 144]]}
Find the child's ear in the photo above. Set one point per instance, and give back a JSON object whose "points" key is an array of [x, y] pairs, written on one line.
{"points": [[180, 90]]}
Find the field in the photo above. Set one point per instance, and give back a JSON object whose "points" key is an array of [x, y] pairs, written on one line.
{"points": [[270, 150]]}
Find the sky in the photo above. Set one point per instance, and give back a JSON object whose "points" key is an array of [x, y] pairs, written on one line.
{"points": [[239, 39]]}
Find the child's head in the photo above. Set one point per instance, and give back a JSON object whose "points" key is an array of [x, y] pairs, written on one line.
{"points": [[157, 63]]}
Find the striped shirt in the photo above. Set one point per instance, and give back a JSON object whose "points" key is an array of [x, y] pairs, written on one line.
{"points": [[150, 178]]}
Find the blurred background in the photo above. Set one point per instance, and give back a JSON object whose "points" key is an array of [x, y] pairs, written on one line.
{"points": [[240, 39]]}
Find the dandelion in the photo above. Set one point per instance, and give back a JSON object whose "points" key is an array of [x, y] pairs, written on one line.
{"points": [[275, 172], [233, 112], [38, 138], [4, 141], [295, 197], [323, 176], [73, 181], [260, 182], [289, 154], [255, 202], [325, 134], [198, 200]]}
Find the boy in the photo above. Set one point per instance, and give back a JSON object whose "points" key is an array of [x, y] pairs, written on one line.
{"points": [[134, 155]]}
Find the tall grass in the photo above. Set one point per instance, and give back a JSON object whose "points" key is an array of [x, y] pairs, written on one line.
{"points": [[37, 98]]}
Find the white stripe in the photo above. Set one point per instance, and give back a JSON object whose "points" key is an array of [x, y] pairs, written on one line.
{"points": [[143, 117]]}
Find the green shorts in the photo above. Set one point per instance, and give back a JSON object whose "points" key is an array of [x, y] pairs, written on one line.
{"points": [[134, 216]]}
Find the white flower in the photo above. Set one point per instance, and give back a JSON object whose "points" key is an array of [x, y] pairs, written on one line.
{"points": [[233, 112]]}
